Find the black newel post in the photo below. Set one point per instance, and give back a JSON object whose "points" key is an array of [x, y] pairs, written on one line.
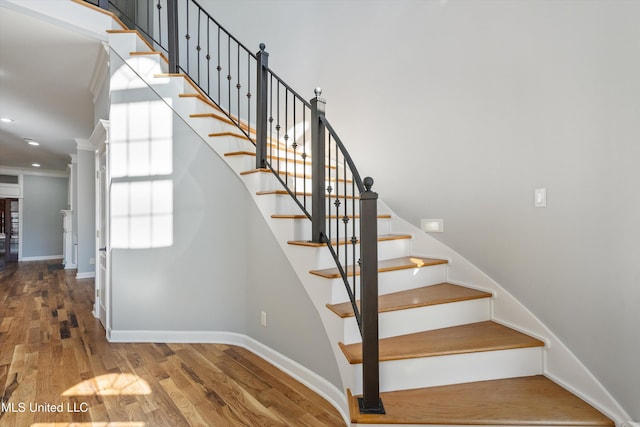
{"points": [[172, 34], [318, 199], [261, 107], [370, 402]]}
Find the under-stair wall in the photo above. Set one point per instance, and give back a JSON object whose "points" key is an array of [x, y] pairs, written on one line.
{"points": [[220, 267]]}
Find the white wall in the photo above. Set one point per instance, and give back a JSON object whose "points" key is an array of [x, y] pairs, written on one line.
{"points": [[216, 265], [192, 275], [293, 324], [86, 213], [44, 198], [481, 102]]}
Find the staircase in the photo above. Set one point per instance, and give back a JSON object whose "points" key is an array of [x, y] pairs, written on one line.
{"points": [[445, 357]]}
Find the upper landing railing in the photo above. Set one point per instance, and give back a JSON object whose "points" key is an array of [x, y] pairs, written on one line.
{"points": [[293, 139]]}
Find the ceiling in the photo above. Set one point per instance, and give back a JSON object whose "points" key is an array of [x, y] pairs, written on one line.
{"points": [[45, 73]]}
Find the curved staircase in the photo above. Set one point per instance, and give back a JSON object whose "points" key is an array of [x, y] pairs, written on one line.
{"points": [[445, 358]]}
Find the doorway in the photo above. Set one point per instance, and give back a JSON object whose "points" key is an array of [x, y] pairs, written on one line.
{"points": [[9, 230]]}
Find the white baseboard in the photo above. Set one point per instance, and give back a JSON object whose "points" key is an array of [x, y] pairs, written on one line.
{"points": [[87, 275], [315, 382], [70, 266], [41, 258]]}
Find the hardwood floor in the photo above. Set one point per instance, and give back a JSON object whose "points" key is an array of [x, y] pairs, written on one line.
{"points": [[57, 369]]}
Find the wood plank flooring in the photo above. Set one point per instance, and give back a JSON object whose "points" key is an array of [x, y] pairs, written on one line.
{"points": [[53, 357]]}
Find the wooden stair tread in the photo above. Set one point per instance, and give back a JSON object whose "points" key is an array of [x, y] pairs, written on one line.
{"points": [[470, 338], [442, 293], [394, 264], [201, 97], [534, 400], [381, 238]]}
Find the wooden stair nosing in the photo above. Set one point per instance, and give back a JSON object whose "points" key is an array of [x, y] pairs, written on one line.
{"points": [[195, 87], [463, 339], [104, 12], [202, 98], [381, 238], [240, 153], [232, 134], [442, 293], [534, 400], [394, 264], [242, 136], [223, 118]]}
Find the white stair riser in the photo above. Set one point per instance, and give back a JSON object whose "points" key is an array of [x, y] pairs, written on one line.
{"points": [[402, 322], [454, 369], [300, 184], [232, 144], [124, 43], [386, 249], [301, 228], [207, 125], [394, 281]]}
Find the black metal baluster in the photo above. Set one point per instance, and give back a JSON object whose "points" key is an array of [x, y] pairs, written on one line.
{"points": [[238, 86], [294, 145], [208, 57], [271, 120], [198, 48], [219, 68], [263, 121], [159, 7], [345, 220], [187, 37], [337, 187], [278, 126], [354, 239], [327, 195], [229, 73], [286, 129], [304, 153]]}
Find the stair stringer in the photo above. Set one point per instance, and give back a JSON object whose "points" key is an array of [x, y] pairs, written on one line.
{"points": [[559, 363]]}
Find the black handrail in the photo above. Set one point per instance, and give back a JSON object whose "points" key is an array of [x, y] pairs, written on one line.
{"points": [[293, 139]]}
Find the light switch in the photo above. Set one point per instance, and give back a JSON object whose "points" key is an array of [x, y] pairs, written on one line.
{"points": [[540, 198]]}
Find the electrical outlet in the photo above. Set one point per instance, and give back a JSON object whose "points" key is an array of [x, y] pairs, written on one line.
{"points": [[263, 318]]}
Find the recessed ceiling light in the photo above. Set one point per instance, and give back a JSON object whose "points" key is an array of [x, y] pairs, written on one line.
{"points": [[6, 120], [35, 144], [35, 165]]}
